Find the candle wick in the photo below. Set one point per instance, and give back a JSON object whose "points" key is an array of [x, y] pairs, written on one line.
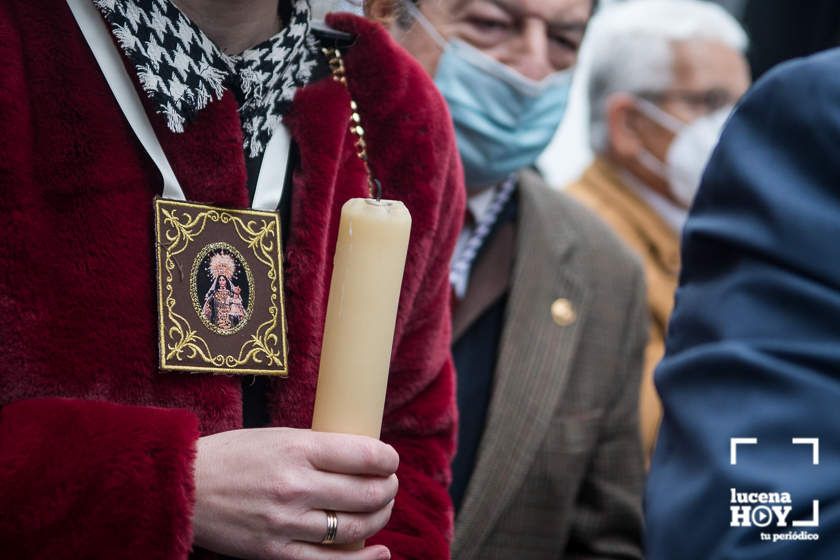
{"points": [[378, 189]]}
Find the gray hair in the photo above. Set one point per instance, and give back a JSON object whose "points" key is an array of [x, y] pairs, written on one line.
{"points": [[629, 49]]}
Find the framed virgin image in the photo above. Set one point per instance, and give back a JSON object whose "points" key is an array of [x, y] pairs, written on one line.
{"points": [[219, 290]]}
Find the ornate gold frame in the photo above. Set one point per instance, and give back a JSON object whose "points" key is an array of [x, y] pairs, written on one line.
{"points": [[260, 231]]}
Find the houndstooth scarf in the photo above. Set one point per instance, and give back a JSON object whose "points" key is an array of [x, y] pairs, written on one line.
{"points": [[182, 70]]}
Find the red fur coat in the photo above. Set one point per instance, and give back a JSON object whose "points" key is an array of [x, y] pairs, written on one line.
{"points": [[96, 445]]}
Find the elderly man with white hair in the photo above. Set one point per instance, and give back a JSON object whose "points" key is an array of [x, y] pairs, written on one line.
{"points": [[664, 76]]}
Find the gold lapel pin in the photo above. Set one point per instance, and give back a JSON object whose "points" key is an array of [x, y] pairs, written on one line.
{"points": [[563, 312]]}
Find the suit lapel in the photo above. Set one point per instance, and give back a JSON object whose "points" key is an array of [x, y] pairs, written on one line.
{"points": [[535, 356]]}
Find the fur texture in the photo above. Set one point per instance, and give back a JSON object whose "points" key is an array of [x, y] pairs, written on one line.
{"points": [[96, 445]]}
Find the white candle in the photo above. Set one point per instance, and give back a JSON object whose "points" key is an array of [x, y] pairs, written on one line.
{"points": [[361, 315]]}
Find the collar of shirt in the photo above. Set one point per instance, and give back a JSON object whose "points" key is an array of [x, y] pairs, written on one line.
{"points": [[476, 205], [485, 208], [479, 203], [673, 215], [182, 70]]}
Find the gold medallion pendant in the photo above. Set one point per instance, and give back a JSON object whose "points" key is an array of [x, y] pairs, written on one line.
{"points": [[219, 290]]}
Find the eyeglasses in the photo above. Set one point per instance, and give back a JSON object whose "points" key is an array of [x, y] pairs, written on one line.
{"points": [[707, 101]]}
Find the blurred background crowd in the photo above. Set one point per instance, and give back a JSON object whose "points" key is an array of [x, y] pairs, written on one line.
{"points": [[654, 83]]}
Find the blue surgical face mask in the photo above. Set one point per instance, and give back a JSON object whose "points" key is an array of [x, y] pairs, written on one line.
{"points": [[503, 120]]}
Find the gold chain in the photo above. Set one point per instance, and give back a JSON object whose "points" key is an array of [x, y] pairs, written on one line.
{"points": [[339, 75]]}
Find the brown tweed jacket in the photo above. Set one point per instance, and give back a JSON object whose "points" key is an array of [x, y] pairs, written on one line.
{"points": [[640, 227], [559, 472]]}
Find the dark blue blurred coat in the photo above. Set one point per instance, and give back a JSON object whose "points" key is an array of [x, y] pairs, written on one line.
{"points": [[754, 343]]}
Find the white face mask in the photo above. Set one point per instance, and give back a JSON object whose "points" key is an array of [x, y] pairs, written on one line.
{"points": [[689, 151]]}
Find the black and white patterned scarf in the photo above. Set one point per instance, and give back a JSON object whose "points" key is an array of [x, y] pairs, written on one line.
{"points": [[182, 70]]}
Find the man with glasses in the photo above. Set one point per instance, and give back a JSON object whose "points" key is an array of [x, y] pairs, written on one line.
{"points": [[663, 78], [549, 321]]}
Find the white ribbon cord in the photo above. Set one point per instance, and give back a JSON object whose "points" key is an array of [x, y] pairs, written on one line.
{"points": [[272, 175]]}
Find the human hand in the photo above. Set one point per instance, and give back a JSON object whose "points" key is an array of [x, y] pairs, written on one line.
{"points": [[263, 493]]}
